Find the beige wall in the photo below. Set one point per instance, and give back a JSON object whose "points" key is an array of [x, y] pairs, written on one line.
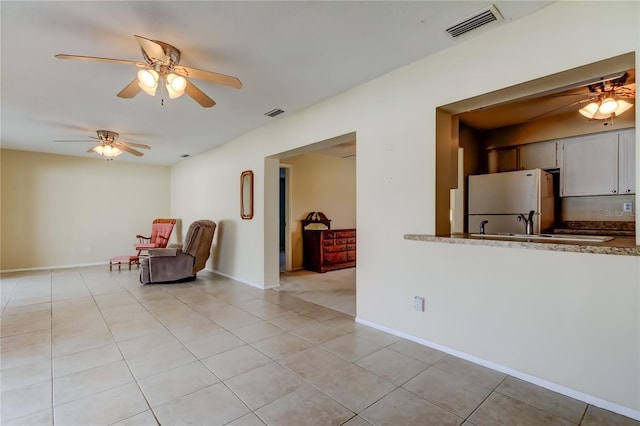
{"points": [[544, 316], [320, 183], [60, 210]]}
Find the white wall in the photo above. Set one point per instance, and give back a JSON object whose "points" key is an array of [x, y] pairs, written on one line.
{"points": [[570, 320], [61, 211], [320, 183]]}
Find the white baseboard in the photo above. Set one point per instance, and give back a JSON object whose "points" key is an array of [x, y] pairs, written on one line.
{"points": [[44, 268], [239, 280], [589, 399]]}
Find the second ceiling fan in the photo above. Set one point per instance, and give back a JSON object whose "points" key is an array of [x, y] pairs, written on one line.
{"points": [[161, 69], [108, 145]]}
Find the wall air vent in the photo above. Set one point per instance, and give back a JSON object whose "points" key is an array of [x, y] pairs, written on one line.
{"points": [[274, 112], [484, 17]]}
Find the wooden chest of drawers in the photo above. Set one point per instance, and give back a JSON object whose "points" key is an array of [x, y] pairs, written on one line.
{"points": [[326, 250]]}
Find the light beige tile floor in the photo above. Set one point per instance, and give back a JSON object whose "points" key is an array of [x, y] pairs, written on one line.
{"points": [[334, 289], [87, 346]]}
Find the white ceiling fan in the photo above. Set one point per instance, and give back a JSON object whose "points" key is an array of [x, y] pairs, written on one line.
{"points": [[108, 145], [161, 69]]}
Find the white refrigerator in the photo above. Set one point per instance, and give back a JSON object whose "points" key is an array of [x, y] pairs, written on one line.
{"points": [[499, 198]]}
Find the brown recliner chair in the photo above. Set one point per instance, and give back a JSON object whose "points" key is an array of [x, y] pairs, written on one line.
{"points": [[176, 262]]}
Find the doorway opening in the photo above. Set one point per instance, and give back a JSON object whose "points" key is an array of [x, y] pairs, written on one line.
{"points": [[284, 206], [317, 177]]}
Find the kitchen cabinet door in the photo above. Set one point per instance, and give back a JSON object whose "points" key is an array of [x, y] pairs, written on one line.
{"points": [[627, 161], [541, 155], [507, 160], [589, 165]]}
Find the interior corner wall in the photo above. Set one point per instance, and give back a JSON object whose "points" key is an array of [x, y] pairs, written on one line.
{"points": [[60, 211], [320, 183], [548, 315]]}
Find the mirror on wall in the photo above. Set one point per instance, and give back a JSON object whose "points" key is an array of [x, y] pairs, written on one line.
{"points": [[246, 195]]}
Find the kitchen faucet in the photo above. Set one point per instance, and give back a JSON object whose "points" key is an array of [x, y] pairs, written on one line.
{"points": [[482, 224], [528, 223]]}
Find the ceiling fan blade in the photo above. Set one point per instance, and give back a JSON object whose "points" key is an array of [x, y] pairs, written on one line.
{"points": [[152, 49], [582, 101], [131, 90], [198, 95], [73, 140], [129, 150], [227, 80], [137, 145], [96, 59]]}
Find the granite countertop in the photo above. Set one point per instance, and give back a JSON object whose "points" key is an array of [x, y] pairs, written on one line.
{"points": [[620, 245]]}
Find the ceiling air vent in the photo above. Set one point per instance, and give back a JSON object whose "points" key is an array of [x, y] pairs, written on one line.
{"points": [[274, 112], [484, 17]]}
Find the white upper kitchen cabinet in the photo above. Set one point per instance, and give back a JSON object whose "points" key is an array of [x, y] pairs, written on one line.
{"points": [[627, 161], [541, 155], [589, 165]]}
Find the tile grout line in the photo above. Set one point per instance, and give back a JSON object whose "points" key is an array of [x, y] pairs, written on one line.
{"points": [[53, 417], [494, 390], [93, 297]]}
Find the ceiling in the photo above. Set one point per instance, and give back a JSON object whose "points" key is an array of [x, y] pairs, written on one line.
{"points": [[288, 55]]}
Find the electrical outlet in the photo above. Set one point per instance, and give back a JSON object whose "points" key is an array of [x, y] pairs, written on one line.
{"points": [[418, 303], [627, 207]]}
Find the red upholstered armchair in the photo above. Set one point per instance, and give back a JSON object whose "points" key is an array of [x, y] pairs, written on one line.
{"points": [[160, 233]]}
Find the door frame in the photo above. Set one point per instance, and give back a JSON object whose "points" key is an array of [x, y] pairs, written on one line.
{"points": [[287, 216]]}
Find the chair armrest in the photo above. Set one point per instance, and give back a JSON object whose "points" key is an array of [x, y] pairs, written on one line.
{"points": [[166, 252], [142, 238]]}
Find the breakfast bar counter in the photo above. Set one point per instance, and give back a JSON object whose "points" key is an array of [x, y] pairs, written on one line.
{"points": [[619, 245]]}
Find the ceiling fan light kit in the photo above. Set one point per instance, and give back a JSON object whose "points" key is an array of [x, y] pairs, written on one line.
{"points": [[607, 103], [106, 151], [605, 109]]}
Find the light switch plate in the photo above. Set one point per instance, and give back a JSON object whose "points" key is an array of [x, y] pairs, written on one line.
{"points": [[627, 207]]}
